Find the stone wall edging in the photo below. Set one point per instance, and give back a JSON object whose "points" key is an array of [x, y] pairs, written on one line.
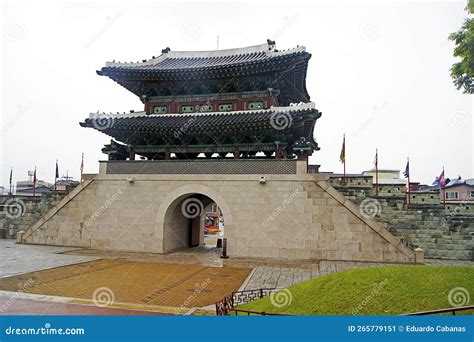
{"points": [[374, 225], [55, 209]]}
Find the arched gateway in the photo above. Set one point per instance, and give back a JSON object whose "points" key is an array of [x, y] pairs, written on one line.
{"points": [[235, 127], [181, 215]]}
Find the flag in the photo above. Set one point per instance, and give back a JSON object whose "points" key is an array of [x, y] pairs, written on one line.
{"points": [[34, 183], [57, 170], [406, 173], [11, 179], [82, 164], [440, 181], [342, 158], [376, 160]]}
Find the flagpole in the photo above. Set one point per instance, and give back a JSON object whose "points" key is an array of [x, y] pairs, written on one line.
{"points": [[11, 174], [344, 143], [34, 183], [443, 191], [56, 176], [376, 172], [409, 195], [82, 165]]}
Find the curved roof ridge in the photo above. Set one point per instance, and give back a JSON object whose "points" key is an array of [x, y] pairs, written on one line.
{"points": [[269, 50]]}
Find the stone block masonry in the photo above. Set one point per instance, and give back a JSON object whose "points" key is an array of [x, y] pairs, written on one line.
{"points": [[20, 212], [442, 232], [291, 217]]}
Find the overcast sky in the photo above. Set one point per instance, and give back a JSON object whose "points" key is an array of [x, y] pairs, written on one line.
{"points": [[379, 72]]}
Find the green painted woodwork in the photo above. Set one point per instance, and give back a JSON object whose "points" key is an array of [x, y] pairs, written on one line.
{"points": [[205, 108], [160, 109], [255, 105], [224, 107], [187, 109]]}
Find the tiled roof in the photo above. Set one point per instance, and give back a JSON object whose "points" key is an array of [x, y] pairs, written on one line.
{"points": [[178, 60], [120, 126]]}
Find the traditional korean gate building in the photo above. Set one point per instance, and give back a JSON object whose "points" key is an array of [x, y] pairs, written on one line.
{"points": [[234, 127]]}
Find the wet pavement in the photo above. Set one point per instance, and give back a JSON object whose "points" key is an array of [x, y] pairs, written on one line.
{"points": [[19, 306]]}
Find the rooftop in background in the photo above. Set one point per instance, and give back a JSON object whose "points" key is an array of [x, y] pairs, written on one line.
{"points": [[458, 181]]}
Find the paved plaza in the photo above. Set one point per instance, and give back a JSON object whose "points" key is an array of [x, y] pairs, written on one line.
{"points": [[186, 279]]}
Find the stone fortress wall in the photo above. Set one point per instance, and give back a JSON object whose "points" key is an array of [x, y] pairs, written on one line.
{"points": [[443, 232], [295, 216], [20, 212], [287, 216]]}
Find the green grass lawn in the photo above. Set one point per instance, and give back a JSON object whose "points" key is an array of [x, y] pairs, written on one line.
{"points": [[388, 290]]}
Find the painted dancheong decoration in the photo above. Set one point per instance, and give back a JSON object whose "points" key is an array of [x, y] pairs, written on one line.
{"points": [[248, 102]]}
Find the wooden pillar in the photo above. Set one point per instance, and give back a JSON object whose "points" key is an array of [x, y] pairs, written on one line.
{"points": [[131, 155], [302, 156], [167, 155], [236, 154], [277, 151]]}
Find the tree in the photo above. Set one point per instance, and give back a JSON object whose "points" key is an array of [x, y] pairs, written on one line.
{"points": [[462, 72]]}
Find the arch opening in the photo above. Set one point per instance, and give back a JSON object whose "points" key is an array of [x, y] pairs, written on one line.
{"points": [[192, 220]]}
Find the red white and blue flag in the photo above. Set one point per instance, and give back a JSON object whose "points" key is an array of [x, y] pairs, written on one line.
{"points": [[440, 181]]}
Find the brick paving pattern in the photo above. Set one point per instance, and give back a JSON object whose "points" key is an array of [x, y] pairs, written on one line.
{"points": [[151, 283]]}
